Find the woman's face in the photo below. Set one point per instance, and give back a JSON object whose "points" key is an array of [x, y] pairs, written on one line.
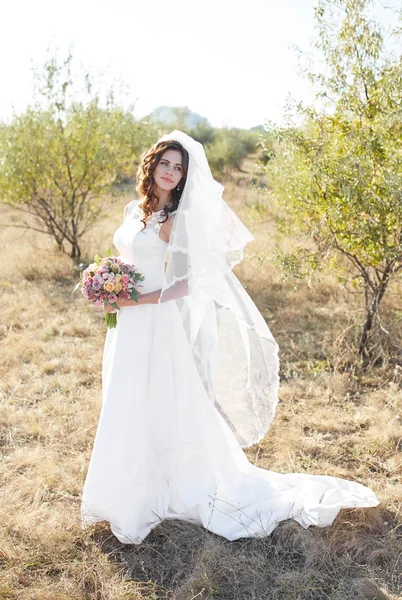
{"points": [[169, 170]]}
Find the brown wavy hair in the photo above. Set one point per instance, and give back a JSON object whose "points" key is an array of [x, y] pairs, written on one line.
{"points": [[146, 186]]}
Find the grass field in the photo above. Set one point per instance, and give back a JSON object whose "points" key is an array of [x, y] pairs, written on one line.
{"points": [[332, 419]]}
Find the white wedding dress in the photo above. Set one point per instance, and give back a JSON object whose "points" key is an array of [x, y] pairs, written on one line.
{"points": [[163, 451]]}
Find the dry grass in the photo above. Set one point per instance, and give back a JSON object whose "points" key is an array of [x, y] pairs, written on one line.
{"points": [[331, 419]]}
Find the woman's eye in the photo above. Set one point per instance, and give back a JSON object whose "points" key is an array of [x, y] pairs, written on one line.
{"points": [[163, 162]]}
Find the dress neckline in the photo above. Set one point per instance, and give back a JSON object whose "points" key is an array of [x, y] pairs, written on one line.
{"points": [[154, 212]]}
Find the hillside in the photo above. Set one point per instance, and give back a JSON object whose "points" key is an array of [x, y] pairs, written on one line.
{"points": [[171, 115], [330, 420]]}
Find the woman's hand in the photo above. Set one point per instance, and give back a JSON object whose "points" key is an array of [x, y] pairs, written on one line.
{"points": [[120, 304], [149, 298], [110, 308]]}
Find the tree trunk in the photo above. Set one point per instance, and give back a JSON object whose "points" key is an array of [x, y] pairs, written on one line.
{"points": [[363, 350], [75, 251], [372, 310], [60, 245]]}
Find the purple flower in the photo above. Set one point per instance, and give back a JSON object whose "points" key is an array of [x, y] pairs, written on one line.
{"points": [[97, 285]]}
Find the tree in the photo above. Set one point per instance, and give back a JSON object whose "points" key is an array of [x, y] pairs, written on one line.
{"points": [[336, 179], [62, 155], [228, 148]]}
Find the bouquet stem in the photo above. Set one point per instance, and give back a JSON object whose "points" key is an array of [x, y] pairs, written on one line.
{"points": [[111, 319]]}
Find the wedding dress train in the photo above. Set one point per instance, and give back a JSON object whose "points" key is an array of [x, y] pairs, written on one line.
{"points": [[163, 451]]}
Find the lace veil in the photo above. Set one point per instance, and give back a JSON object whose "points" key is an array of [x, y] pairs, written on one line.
{"points": [[233, 348]]}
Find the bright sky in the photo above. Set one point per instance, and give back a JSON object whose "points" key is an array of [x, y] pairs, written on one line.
{"points": [[231, 61]]}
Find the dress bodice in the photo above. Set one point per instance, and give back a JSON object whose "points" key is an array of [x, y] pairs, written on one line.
{"points": [[142, 248]]}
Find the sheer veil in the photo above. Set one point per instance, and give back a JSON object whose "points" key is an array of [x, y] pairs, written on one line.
{"points": [[233, 348]]}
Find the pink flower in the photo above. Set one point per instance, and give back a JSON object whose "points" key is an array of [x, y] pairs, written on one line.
{"points": [[104, 275]]}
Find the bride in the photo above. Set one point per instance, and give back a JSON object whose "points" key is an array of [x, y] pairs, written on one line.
{"points": [[190, 374]]}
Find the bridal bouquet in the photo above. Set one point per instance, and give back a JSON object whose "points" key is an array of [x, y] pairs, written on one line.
{"points": [[108, 280]]}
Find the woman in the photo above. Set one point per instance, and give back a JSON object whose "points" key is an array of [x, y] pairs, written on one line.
{"points": [[190, 374]]}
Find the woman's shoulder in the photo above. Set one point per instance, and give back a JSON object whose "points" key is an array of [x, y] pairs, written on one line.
{"points": [[131, 208]]}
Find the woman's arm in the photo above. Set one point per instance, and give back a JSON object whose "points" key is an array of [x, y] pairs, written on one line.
{"points": [[150, 297]]}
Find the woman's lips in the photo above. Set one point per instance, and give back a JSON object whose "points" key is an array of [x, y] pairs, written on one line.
{"points": [[166, 179]]}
